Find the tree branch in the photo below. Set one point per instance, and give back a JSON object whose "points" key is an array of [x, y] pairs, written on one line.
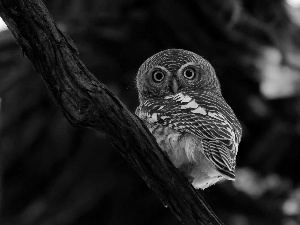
{"points": [[88, 103]]}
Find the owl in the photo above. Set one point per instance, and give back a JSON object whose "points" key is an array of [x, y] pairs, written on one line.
{"points": [[182, 106]]}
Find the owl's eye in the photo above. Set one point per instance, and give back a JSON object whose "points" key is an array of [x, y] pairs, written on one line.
{"points": [[189, 73], [158, 76]]}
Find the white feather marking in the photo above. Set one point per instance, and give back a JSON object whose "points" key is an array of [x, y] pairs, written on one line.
{"points": [[178, 97], [186, 98], [190, 105], [182, 98], [214, 115], [217, 116], [152, 118], [165, 117], [160, 107], [199, 110]]}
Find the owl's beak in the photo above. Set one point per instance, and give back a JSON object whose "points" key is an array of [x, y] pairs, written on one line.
{"points": [[174, 86]]}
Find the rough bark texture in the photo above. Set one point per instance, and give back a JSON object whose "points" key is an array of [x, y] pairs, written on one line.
{"points": [[88, 103]]}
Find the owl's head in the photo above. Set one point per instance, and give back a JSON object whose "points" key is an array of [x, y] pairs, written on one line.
{"points": [[175, 70]]}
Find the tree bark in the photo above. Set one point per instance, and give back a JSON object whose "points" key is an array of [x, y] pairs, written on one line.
{"points": [[88, 103]]}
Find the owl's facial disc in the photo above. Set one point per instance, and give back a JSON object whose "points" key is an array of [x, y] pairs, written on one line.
{"points": [[175, 70]]}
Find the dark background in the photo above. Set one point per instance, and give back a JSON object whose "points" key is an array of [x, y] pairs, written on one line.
{"points": [[52, 173]]}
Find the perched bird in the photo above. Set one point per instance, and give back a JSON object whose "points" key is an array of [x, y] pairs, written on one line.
{"points": [[182, 105]]}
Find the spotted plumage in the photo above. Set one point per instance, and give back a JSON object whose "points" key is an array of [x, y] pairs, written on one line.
{"points": [[182, 105]]}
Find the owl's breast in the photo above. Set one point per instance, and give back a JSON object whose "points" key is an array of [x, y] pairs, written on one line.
{"points": [[170, 141], [183, 149]]}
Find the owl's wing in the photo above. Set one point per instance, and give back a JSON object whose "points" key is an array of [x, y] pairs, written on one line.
{"points": [[204, 114]]}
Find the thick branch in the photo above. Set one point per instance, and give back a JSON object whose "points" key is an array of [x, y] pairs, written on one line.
{"points": [[88, 103]]}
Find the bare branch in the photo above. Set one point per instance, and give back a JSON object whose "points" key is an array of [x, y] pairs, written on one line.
{"points": [[88, 103]]}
